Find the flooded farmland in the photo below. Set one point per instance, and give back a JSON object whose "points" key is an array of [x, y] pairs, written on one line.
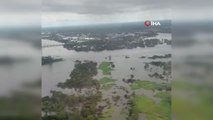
{"points": [[125, 77]]}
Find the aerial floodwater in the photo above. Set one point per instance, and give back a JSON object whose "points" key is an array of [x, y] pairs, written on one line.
{"points": [[107, 75]]}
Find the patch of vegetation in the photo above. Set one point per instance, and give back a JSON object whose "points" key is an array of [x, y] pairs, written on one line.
{"points": [[153, 111], [160, 56], [157, 75], [164, 66], [143, 84], [60, 106], [107, 114], [164, 86], [163, 95], [165, 101], [194, 101], [20, 105], [106, 80], [107, 83], [50, 60], [82, 76], [111, 44], [106, 67], [149, 85], [107, 86]]}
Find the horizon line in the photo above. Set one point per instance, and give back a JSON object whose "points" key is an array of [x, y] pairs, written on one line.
{"points": [[81, 25]]}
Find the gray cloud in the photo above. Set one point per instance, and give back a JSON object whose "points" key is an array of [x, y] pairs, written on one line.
{"points": [[20, 5], [103, 6], [192, 4]]}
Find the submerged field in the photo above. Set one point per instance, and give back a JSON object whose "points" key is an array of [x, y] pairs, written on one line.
{"points": [[105, 98]]}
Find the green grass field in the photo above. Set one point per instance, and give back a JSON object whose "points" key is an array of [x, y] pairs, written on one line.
{"points": [[194, 102], [106, 68], [143, 84], [153, 111], [107, 83], [106, 80], [149, 85], [163, 95]]}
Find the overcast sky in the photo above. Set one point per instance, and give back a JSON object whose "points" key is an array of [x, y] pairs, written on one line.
{"points": [[80, 12]]}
